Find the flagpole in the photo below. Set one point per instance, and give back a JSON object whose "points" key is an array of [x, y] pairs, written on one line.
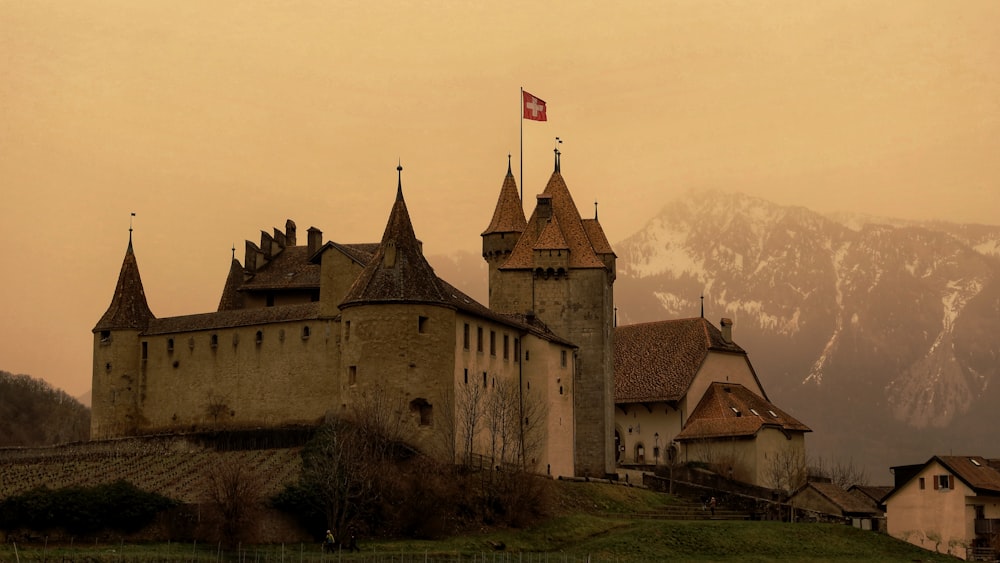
{"points": [[521, 162]]}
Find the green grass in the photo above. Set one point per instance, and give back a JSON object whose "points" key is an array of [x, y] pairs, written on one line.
{"points": [[586, 523]]}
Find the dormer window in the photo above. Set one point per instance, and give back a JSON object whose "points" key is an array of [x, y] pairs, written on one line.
{"points": [[736, 411]]}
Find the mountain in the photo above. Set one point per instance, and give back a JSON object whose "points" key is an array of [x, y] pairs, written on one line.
{"points": [[879, 334], [33, 413]]}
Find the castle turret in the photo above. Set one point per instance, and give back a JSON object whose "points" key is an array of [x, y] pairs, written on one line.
{"points": [[118, 354], [505, 229], [232, 298]]}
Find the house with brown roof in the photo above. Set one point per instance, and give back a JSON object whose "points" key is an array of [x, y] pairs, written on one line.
{"points": [[826, 499], [949, 504], [685, 391], [306, 332]]}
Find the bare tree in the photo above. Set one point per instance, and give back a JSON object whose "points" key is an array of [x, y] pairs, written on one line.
{"points": [[842, 473], [785, 469], [469, 415], [234, 489]]}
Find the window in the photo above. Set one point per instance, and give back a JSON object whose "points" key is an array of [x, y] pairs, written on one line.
{"points": [[484, 380], [105, 337], [145, 350], [527, 355], [347, 330], [170, 345], [466, 376], [517, 350], [493, 343], [479, 339], [421, 324], [424, 409], [506, 347], [944, 482], [213, 341], [562, 359], [922, 486], [352, 375], [305, 333], [465, 336], [259, 337]]}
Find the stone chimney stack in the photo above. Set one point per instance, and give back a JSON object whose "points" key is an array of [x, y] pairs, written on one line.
{"points": [[314, 240], [290, 232], [727, 330]]}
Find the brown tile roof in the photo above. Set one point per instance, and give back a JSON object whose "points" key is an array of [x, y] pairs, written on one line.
{"points": [[551, 237], [732, 410], [359, 252], [975, 471], [234, 318], [128, 309], [875, 493], [658, 361], [508, 217], [581, 253], [846, 502], [231, 297], [596, 235], [405, 277], [291, 269]]}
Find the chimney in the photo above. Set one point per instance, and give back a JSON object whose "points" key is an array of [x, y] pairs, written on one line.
{"points": [[314, 240], [727, 330], [290, 232], [544, 206]]}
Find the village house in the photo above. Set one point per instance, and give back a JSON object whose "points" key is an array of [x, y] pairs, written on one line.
{"points": [[825, 500], [949, 504], [685, 391]]}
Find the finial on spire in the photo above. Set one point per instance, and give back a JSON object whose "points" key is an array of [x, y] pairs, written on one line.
{"points": [[558, 142], [399, 184], [595, 209], [130, 229], [509, 173], [234, 251], [703, 306]]}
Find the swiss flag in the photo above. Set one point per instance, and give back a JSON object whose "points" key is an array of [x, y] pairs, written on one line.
{"points": [[533, 107]]}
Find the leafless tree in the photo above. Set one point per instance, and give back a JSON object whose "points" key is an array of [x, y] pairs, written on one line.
{"points": [[842, 473], [234, 490], [469, 415], [785, 469]]}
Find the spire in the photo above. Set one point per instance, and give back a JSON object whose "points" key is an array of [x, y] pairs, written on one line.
{"points": [[399, 181], [556, 171], [595, 210], [398, 271], [703, 306], [508, 217], [128, 309], [232, 298]]}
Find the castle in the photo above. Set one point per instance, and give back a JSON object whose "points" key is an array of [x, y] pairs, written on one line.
{"points": [[305, 332]]}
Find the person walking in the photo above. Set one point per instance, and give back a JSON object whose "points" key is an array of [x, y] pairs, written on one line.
{"points": [[711, 505]]}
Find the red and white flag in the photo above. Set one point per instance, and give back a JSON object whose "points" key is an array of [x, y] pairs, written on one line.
{"points": [[533, 107]]}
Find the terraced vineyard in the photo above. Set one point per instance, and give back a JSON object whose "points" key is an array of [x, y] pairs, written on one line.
{"points": [[176, 467]]}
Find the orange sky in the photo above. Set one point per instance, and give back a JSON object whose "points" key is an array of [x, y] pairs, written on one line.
{"points": [[213, 120]]}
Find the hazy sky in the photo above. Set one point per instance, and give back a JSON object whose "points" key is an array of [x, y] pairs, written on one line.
{"points": [[214, 120]]}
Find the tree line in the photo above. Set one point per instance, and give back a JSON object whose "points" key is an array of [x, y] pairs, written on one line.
{"points": [[33, 413]]}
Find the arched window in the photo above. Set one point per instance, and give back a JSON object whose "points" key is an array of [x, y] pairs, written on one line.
{"points": [[421, 406]]}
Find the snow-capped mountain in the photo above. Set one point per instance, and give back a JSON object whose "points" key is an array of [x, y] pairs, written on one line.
{"points": [[880, 334]]}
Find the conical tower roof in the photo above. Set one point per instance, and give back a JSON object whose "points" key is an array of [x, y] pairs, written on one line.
{"points": [[566, 217], [398, 271], [508, 217], [128, 309], [231, 298]]}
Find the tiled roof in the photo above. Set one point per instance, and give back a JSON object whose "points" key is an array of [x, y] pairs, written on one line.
{"points": [[975, 471], [596, 235], [581, 254], [875, 493], [231, 297], [128, 309], [398, 271], [360, 253], [508, 217], [658, 361], [234, 318], [846, 502], [290, 269], [732, 410], [551, 237]]}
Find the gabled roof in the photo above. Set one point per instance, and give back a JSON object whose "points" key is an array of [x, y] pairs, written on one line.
{"points": [[658, 361], [731, 410], [874, 493], [398, 271], [361, 253], [128, 309], [980, 474], [566, 215], [847, 503], [508, 217], [551, 237]]}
